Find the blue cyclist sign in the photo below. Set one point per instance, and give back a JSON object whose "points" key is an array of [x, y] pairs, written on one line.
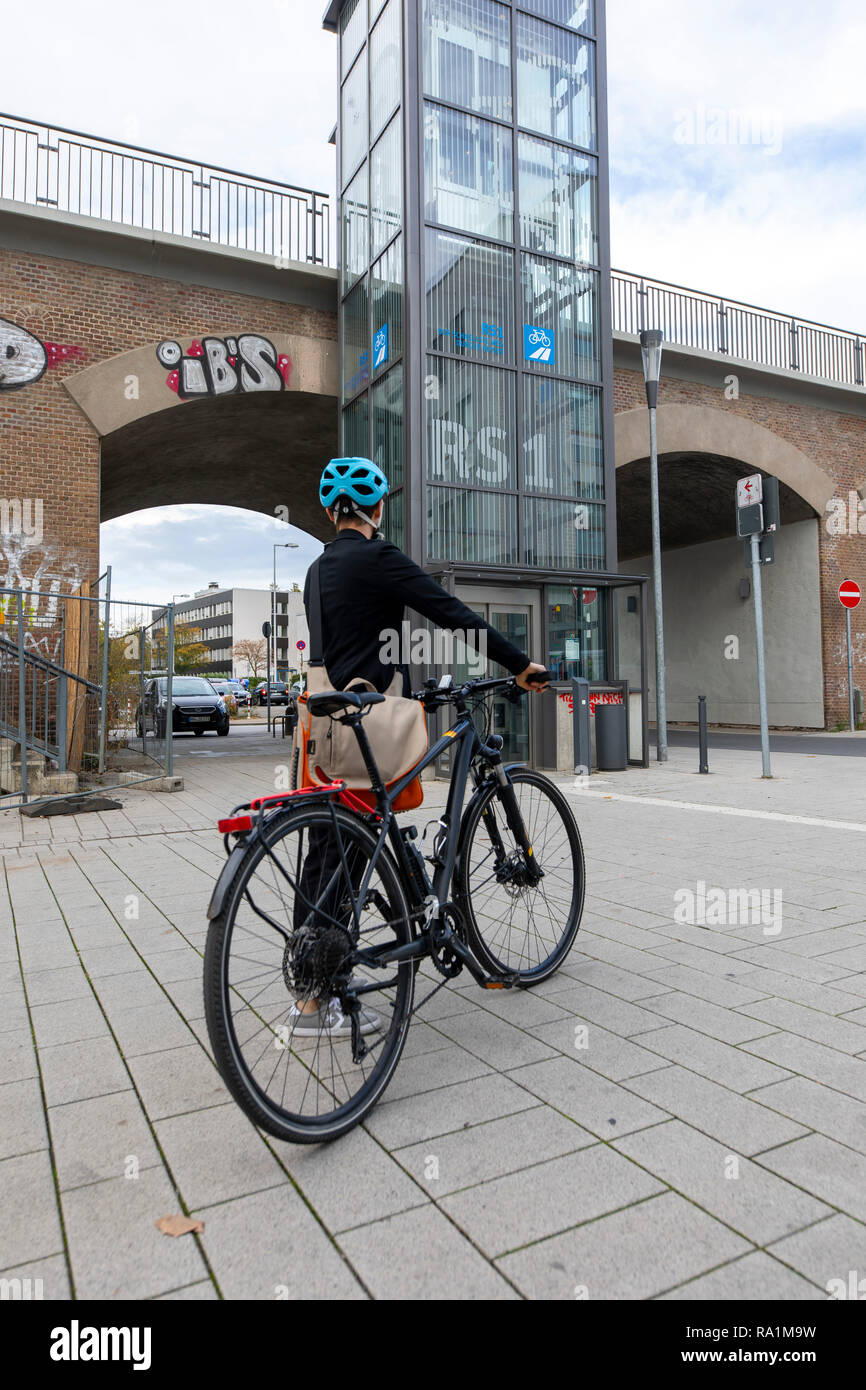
{"points": [[539, 344]]}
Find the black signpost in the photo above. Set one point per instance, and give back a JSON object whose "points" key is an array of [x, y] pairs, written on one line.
{"points": [[758, 518], [266, 633]]}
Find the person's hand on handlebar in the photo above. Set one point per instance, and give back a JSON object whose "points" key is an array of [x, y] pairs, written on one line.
{"points": [[529, 679]]}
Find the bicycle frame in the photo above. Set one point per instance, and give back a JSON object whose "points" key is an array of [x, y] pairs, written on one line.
{"points": [[427, 898]]}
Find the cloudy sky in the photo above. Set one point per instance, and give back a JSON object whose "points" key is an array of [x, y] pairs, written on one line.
{"points": [[738, 146]]}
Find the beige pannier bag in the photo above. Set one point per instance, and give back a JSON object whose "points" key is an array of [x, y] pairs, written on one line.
{"points": [[328, 749]]}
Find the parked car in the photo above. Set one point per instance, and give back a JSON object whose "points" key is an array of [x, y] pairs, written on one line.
{"points": [[279, 693], [241, 694], [225, 689], [196, 708]]}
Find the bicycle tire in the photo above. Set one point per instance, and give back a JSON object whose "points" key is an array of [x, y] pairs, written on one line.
{"points": [[488, 952], [260, 1107]]}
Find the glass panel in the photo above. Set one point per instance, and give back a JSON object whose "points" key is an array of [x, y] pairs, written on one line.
{"points": [[353, 31], [558, 200], [375, 7], [563, 535], [356, 341], [356, 229], [577, 632], [560, 317], [468, 176], [555, 82], [467, 59], [356, 435], [353, 120], [472, 526], [510, 718], [392, 519], [470, 297], [576, 14], [562, 438], [386, 67], [470, 424], [386, 186], [387, 291], [387, 406]]}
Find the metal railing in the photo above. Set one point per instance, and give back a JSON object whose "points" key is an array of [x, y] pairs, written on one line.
{"points": [[47, 166], [73, 673], [713, 324]]}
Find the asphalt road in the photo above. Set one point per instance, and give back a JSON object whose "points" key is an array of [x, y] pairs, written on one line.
{"points": [[250, 738], [810, 745], [254, 738]]}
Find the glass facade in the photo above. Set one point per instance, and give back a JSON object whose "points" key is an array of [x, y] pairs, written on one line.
{"points": [[473, 279], [470, 298], [511, 253], [490, 417], [371, 146], [467, 55], [386, 67]]}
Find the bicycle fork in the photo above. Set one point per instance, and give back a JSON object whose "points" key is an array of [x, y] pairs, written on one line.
{"points": [[531, 869]]}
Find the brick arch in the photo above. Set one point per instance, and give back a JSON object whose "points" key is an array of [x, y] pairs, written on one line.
{"points": [[258, 452], [697, 429]]}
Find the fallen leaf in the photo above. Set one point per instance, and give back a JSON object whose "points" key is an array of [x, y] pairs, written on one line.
{"points": [[178, 1225]]}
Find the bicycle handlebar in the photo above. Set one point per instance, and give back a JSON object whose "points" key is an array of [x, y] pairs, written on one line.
{"points": [[448, 695]]}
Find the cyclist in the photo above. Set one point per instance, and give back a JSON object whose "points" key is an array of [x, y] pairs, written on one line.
{"points": [[366, 583]]}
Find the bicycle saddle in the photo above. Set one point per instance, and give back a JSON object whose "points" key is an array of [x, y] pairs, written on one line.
{"points": [[331, 701]]}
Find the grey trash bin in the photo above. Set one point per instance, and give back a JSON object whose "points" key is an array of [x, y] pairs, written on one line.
{"points": [[611, 738]]}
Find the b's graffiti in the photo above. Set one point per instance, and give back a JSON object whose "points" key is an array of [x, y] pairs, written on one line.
{"points": [[224, 366], [24, 359]]}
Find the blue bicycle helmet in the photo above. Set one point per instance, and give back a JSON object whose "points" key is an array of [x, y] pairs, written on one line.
{"points": [[361, 480]]}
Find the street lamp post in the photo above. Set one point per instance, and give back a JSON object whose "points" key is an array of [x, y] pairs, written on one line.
{"points": [[651, 352], [278, 545]]}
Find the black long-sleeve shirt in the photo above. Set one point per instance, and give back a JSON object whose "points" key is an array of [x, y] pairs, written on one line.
{"points": [[365, 586]]}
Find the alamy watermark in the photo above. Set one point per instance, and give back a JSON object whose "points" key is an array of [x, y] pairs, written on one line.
{"points": [[846, 516], [22, 516], [421, 647], [729, 125], [729, 907]]}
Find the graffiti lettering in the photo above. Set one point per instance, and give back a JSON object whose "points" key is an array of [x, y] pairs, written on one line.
{"points": [[23, 358], [224, 366]]}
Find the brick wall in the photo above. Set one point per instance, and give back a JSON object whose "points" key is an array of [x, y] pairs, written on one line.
{"points": [[836, 442], [48, 449]]}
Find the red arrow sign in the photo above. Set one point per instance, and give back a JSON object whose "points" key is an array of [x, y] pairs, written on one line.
{"points": [[849, 594]]}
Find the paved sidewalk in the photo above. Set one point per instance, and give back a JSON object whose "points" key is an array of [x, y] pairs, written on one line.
{"points": [[679, 1113]]}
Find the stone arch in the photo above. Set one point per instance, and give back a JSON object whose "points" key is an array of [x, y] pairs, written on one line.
{"points": [[697, 429]]}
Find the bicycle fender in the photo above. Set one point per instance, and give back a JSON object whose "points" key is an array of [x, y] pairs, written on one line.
{"points": [[221, 887]]}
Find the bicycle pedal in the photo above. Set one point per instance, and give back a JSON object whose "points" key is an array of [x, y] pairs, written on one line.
{"points": [[506, 982]]}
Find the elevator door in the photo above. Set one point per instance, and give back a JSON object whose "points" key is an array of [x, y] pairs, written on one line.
{"points": [[516, 622]]}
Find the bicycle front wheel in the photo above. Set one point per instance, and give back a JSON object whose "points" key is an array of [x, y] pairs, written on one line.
{"points": [[281, 962], [517, 924]]}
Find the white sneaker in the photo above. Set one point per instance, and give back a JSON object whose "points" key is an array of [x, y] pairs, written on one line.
{"points": [[331, 1021]]}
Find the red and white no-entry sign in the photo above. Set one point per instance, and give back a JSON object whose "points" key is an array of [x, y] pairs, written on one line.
{"points": [[849, 594]]}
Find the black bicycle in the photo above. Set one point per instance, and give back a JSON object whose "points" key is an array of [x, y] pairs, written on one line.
{"points": [[326, 909]]}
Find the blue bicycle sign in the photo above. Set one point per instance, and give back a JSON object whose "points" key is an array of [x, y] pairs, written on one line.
{"points": [[539, 344]]}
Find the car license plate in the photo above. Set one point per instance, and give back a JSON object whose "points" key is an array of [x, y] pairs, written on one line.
{"points": [[199, 719]]}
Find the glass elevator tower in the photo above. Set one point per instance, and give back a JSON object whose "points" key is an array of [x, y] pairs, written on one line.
{"points": [[475, 332]]}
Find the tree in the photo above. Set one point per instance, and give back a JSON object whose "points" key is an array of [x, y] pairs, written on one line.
{"points": [[252, 650], [189, 651]]}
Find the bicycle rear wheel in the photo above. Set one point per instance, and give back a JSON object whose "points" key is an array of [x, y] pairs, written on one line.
{"points": [[287, 937], [515, 926]]}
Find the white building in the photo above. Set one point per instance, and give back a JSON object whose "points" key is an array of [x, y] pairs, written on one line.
{"points": [[224, 617]]}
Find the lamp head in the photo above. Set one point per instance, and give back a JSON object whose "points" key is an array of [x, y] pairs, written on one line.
{"points": [[651, 340]]}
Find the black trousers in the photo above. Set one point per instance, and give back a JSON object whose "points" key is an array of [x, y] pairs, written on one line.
{"points": [[320, 898]]}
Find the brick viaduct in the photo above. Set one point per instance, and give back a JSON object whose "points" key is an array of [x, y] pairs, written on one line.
{"points": [[117, 348]]}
